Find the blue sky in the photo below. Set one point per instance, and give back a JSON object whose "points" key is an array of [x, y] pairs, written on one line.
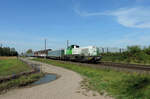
{"points": [[105, 23]]}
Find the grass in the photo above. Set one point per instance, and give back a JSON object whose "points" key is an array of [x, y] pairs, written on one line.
{"points": [[120, 85], [119, 59], [19, 82], [11, 65]]}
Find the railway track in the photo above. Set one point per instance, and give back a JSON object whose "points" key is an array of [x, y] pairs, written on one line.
{"points": [[128, 66], [118, 66]]}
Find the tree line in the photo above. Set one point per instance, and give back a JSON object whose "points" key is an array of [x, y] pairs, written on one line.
{"points": [[133, 54], [7, 51]]}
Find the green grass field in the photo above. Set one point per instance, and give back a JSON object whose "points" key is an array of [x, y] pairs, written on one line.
{"points": [[9, 66], [120, 85]]}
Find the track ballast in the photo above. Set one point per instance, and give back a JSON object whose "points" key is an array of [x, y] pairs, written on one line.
{"points": [[117, 66]]}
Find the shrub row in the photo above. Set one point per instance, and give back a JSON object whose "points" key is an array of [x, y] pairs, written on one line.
{"points": [[134, 54]]}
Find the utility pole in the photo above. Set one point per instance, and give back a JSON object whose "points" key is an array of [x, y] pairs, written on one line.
{"points": [[1, 45], [67, 43], [120, 50], [45, 50], [107, 50], [103, 50]]}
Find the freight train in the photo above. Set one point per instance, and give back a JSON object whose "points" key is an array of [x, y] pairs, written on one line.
{"points": [[72, 53]]}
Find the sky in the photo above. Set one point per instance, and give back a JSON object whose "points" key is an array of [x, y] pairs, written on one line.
{"points": [[25, 24]]}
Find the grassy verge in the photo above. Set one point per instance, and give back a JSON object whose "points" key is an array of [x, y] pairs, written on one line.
{"points": [[9, 66], [121, 85], [119, 59], [22, 81]]}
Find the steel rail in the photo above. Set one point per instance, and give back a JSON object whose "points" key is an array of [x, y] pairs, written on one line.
{"points": [[145, 68]]}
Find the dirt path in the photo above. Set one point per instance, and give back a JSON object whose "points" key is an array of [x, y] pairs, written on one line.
{"points": [[65, 87]]}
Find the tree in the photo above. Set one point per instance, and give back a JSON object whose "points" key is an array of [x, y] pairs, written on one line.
{"points": [[6, 51], [134, 49], [13, 52], [29, 51], [147, 50]]}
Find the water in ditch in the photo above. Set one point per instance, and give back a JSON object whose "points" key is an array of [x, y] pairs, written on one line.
{"points": [[47, 78]]}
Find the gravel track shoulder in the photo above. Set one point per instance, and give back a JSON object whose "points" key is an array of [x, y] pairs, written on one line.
{"points": [[67, 86]]}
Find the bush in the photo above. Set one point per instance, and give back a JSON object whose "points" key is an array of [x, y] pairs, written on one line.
{"points": [[134, 54]]}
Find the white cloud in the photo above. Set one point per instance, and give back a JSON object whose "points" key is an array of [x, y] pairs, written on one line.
{"points": [[7, 42], [129, 40], [133, 17], [85, 13], [139, 1], [137, 17]]}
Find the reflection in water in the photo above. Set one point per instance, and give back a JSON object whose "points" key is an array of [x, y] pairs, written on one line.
{"points": [[47, 78]]}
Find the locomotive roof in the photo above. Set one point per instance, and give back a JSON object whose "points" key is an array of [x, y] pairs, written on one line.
{"points": [[74, 45]]}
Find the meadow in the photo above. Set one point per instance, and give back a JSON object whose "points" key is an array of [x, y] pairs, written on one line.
{"points": [[118, 84], [10, 66]]}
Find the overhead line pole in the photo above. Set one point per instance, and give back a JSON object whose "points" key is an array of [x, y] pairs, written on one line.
{"points": [[67, 43], [45, 49]]}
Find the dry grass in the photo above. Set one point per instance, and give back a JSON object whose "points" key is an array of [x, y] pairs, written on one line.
{"points": [[6, 57]]}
